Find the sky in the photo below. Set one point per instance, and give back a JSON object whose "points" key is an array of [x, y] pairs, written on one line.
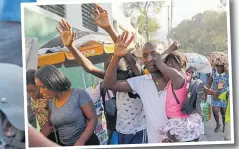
{"points": [[182, 9]]}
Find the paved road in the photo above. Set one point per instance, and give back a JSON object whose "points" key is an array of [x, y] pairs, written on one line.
{"points": [[209, 134]]}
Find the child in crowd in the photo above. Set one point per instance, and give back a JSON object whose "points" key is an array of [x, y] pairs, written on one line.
{"points": [[180, 127]]}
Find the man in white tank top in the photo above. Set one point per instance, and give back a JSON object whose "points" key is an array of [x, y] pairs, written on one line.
{"points": [[151, 87]]}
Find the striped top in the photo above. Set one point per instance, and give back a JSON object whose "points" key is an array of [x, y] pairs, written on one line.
{"points": [[69, 120]]}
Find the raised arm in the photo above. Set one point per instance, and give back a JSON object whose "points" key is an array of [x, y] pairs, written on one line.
{"points": [[101, 19], [174, 75], [134, 66], [86, 63], [67, 37], [110, 80]]}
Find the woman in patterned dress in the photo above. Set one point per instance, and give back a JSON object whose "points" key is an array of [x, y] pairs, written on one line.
{"points": [[218, 83], [38, 104]]}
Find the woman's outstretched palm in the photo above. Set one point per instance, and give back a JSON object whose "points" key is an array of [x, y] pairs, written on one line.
{"points": [[67, 35], [122, 44], [101, 17]]}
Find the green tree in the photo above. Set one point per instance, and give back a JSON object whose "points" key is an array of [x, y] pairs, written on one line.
{"points": [[146, 22], [204, 33]]}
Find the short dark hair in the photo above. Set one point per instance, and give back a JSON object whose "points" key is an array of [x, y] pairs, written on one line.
{"points": [[53, 79], [122, 64], [179, 57], [155, 44], [31, 77]]}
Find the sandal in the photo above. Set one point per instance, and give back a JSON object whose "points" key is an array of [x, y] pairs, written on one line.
{"points": [[167, 140], [217, 128]]}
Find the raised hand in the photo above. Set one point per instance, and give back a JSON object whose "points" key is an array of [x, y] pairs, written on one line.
{"points": [[101, 17], [175, 46], [67, 35], [122, 44]]}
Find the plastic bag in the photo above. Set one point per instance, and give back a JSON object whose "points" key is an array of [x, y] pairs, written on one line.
{"points": [[199, 62], [206, 111]]}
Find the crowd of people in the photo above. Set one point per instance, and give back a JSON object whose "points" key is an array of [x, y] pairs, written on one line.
{"points": [[148, 107]]}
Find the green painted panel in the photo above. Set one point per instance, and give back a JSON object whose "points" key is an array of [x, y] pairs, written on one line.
{"points": [[44, 28], [78, 77], [39, 26], [91, 79]]}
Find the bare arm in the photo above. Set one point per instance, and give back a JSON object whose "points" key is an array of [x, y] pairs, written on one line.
{"points": [[110, 80], [135, 67], [86, 63], [90, 113], [102, 20], [37, 139], [47, 128], [209, 91], [67, 37], [209, 82], [111, 32], [174, 75]]}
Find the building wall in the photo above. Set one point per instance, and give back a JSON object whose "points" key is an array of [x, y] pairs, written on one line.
{"points": [[74, 12], [41, 24]]}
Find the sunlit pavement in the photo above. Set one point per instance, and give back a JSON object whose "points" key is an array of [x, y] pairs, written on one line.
{"points": [[209, 134]]}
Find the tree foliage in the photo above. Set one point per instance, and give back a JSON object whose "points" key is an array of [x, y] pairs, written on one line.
{"points": [[204, 33], [142, 11]]}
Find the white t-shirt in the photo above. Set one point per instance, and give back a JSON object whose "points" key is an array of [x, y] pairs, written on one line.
{"points": [[154, 104], [130, 113], [96, 95]]}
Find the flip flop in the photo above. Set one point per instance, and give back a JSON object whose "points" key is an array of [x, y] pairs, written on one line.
{"points": [[217, 128], [167, 140]]}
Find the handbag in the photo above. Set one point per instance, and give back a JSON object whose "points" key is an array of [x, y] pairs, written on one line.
{"points": [[109, 108]]}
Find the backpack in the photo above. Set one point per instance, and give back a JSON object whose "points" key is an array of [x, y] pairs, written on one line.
{"points": [[109, 108], [194, 96]]}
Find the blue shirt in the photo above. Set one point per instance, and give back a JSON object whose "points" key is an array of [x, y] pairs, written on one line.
{"points": [[10, 10], [218, 78], [204, 77]]}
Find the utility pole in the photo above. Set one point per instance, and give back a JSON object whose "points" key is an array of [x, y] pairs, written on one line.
{"points": [[171, 14], [168, 20]]}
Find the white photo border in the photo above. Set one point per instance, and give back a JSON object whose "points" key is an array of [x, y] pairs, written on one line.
{"points": [[203, 143]]}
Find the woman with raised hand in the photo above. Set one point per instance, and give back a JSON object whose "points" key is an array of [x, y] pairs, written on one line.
{"points": [[131, 124]]}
